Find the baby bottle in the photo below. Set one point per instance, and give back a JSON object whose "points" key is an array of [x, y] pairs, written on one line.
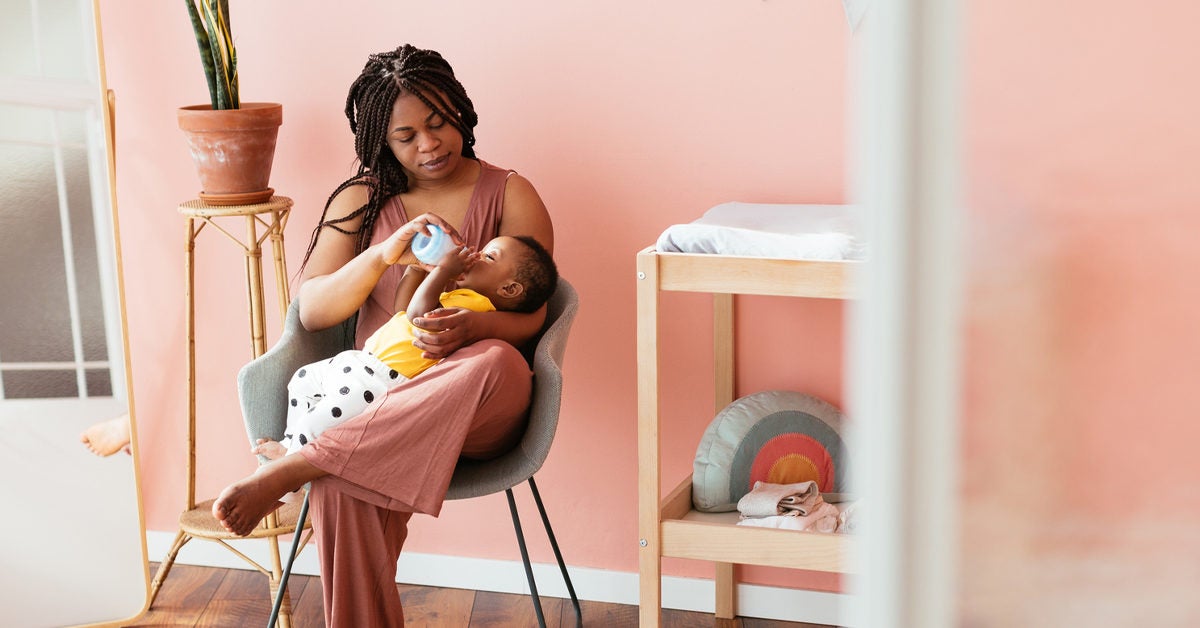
{"points": [[430, 248]]}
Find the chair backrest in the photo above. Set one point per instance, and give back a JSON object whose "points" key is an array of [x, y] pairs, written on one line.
{"points": [[262, 384], [474, 478]]}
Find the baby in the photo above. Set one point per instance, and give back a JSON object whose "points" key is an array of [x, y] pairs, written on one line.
{"points": [[511, 273]]}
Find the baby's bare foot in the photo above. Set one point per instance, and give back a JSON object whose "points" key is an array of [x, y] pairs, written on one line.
{"points": [[107, 437], [243, 504], [269, 449]]}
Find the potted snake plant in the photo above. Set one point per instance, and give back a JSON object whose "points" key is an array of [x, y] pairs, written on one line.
{"points": [[232, 142]]}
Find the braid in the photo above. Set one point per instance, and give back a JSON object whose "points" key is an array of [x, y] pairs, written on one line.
{"points": [[422, 73]]}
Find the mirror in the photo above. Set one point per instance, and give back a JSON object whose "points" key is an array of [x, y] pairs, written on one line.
{"points": [[73, 536]]}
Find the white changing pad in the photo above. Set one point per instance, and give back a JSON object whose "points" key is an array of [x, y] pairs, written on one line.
{"points": [[813, 232]]}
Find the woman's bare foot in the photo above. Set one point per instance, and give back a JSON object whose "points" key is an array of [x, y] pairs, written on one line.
{"points": [[269, 449], [107, 437], [243, 504]]}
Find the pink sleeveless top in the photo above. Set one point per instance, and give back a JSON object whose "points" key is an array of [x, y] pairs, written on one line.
{"points": [[481, 224]]}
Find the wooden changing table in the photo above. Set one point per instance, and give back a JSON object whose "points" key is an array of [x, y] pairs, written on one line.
{"points": [[669, 526]]}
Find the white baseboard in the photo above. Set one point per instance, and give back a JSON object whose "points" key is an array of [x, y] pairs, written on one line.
{"points": [[503, 576]]}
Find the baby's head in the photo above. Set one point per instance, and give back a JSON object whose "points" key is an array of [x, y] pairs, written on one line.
{"points": [[515, 272]]}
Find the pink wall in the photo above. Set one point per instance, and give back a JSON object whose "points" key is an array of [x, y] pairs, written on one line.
{"points": [[627, 116], [1080, 397], [1080, 498]]}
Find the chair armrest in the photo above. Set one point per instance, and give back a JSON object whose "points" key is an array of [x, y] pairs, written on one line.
{"points": [[262, 383]]}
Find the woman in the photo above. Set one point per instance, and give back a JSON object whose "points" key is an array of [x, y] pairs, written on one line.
{"points": [[414, 135]]}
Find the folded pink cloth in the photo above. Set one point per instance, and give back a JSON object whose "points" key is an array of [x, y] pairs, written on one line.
{"points": [[824, 518], [765, 500]]}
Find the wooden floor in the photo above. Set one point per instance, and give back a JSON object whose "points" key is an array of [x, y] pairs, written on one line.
{"points": [[228, 598]]}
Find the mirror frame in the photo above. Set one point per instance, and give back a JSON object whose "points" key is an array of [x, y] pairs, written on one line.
{"points": [[108, 110]]}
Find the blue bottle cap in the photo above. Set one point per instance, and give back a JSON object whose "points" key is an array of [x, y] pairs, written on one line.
{"points": [[430, 248]]}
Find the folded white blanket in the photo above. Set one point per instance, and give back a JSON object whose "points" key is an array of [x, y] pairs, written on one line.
{"points": [[813, 232]]}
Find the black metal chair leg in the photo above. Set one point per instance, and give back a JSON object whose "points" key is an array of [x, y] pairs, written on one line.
{"points": [[562, 566], [287, 570], [537, 601]]}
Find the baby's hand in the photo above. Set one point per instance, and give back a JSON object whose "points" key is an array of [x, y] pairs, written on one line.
{"points": [[458, 260], [269, 449]]}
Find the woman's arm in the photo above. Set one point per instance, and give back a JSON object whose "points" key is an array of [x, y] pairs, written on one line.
{"points": [[445, 330], [524, 214], [336, 282], [331, 290]]}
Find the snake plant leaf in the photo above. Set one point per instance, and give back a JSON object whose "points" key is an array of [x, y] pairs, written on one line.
{"points": [[210, 21], [205, 53]]}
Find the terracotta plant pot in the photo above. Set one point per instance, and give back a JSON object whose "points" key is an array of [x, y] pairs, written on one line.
{"points": [[233, 150]]}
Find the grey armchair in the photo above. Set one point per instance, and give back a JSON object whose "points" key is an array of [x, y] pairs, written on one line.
{"points": [[262, 388]]}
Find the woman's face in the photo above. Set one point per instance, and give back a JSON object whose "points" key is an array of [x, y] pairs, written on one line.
{"points": [[427, 147]]}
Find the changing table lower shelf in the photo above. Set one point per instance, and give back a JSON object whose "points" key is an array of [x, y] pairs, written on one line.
{"points": [[689, 533]]}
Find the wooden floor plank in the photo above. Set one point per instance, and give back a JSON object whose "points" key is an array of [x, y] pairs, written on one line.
{"points": [[244, 584], [687, 619], [226, 613], [183, 596], [754, 622], [207, 596], [308, 608], [436, 608], [567, 618], [599, 614], [505, 610]]}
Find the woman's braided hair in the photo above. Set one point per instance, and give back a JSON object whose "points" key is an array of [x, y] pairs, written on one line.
{"points": [[422, 73]]}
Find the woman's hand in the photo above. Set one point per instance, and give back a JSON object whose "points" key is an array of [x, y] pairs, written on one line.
{"points": [[391, 249], [444, 331]]}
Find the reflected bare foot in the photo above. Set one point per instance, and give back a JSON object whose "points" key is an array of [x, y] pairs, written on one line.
{"points": [[107, 437], [243, 504], [269, 449]]}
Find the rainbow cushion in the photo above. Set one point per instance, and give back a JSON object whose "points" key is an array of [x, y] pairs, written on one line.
{"points": [[774, 436]]}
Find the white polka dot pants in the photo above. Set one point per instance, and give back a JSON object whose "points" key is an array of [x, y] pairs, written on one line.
{"points": [[325, 393]]}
